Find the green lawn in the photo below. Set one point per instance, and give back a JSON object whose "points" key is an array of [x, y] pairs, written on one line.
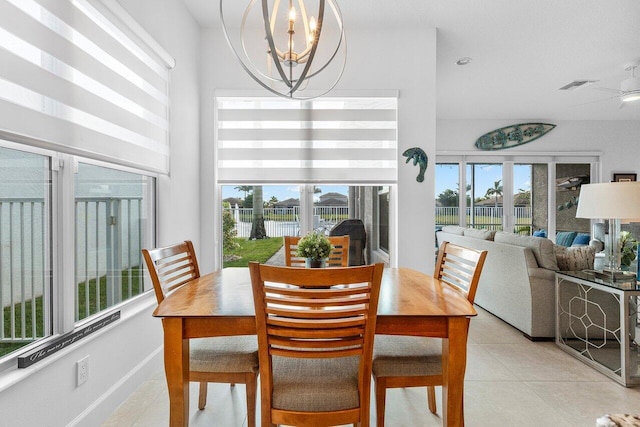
{"points": [[253, 250], [6, 348]]}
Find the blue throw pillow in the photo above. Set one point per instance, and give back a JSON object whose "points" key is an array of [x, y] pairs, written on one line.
{"points": [[581, 239], [540, 233], [565, 238]]}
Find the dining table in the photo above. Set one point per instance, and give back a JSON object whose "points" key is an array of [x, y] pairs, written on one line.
{"points": [[221, 304]]}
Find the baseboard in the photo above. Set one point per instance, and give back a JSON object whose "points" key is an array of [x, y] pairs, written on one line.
{"points": [[538, 339]]}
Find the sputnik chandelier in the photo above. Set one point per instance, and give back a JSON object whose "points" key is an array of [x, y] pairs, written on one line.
{"points": [[284, 47]]}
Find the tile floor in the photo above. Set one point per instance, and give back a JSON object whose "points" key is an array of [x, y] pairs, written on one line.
{"points": [[510, 381]]}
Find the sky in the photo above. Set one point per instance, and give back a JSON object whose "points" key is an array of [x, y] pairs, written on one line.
{"points": [[486, 176], [446, 177], [284, 192]]}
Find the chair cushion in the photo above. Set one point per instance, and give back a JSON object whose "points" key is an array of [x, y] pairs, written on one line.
{"points": [[224, 354], [575, 258], [400, 356], [315, 384], [565, 238]]}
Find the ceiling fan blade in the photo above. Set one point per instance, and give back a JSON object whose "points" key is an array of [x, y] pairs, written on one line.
{"points": [[622, 104], [596, 101], [607, 89]]}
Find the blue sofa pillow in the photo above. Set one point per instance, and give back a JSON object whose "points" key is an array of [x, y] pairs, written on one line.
{"points": [[540, 233], [581, 239], [565, 238]]}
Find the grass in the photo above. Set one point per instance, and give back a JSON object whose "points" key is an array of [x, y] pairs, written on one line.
{"points": [[253, 250], [6, 348]]}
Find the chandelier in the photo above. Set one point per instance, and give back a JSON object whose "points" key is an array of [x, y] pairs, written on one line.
{"points": [[284, 47]]}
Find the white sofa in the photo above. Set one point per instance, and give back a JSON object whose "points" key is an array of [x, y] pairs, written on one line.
{"points": [[518, 279]]}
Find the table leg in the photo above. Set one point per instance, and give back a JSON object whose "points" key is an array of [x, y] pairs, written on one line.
{"points": [[454, 361], [176, 366]]}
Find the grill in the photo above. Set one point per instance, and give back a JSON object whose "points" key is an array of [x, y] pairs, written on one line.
{"points": [[354, 228]]}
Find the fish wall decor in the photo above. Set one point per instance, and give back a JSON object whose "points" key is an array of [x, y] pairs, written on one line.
{"points": [[419, 157]]}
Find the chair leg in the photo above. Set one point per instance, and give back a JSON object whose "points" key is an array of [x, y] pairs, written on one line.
{"points": [[202, 398], [251, 386], [431, 397], [381, 396]]}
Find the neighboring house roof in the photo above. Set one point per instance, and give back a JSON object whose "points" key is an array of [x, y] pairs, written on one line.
{"points": [[233, 201], [332, 202], [287, 203], [336, 196]]}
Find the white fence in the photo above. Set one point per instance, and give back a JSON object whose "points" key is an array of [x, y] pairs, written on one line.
{"points": [[280, 222], [487, 217]]}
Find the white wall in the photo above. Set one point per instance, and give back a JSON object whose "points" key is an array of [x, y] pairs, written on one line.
{"points": [[124, 354], [619, 141], [392, 65]]}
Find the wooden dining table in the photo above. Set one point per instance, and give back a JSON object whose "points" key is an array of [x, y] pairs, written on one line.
{"points": [[221, 304]]}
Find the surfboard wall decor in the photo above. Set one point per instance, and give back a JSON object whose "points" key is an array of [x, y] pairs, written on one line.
{"points": [[512, 136]]}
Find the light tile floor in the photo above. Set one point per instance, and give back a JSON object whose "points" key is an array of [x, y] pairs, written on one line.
{"points": [[510, 381]]}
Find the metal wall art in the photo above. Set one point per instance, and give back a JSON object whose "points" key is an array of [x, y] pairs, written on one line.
{"points": [[419, 157], [512, 136]]}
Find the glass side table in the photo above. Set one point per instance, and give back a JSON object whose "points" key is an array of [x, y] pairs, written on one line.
{"points": [[597, 322]]}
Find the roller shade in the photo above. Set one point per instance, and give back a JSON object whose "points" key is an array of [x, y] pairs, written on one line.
{"points": [[74, 78], [272, 140]]}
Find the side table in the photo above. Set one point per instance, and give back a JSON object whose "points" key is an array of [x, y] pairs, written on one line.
{"points": [[597, 322]]}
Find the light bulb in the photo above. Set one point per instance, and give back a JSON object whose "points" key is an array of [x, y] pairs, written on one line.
{"points": [[312, 24], [292, 14]]}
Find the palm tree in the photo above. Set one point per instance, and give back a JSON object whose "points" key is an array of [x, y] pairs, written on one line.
{"points": [[495, 191], [258, 231], [244, 188]]}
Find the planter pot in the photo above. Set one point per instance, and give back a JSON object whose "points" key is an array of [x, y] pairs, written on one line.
{"points": [[314, 263]]}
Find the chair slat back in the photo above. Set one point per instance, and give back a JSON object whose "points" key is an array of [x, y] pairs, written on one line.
{"points": [[460, 267], [339, 256], [300, 314], [171, 267]]}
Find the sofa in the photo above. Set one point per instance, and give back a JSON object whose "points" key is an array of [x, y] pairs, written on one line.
{"points": [[518, 279]]}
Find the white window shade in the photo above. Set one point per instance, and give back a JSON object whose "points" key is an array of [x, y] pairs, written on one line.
{"points": [[75, 78], [274, 140]]}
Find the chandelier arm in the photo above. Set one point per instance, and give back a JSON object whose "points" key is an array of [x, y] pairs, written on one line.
{"points": [[272, 46], [242, 64], [338, 15], [307, 66]]}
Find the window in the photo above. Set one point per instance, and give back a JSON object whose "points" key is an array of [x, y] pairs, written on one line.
{"points": [[111, 213], [346, 142], [25, 249]]}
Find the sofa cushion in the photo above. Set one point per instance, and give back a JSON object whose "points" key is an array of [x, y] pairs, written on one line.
{"points": [[582, 239], [565, 238], [479, 234], [454, 229], [575, 258], [541, 247]]}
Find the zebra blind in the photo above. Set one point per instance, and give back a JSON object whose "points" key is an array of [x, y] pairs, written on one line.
{"points": [[273, 140], [75, 78]]}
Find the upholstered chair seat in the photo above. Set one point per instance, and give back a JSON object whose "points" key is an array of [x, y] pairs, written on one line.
{"points": [[403, 356]]}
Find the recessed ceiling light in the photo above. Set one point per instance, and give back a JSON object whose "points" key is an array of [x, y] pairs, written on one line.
{"points": [[463, 61]]}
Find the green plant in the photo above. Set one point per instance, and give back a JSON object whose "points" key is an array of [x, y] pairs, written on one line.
{"points": [[315, 246], [627, 248], [229, 231]]}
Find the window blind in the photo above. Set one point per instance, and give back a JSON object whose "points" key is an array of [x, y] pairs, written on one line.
{"points": [[273, 140], [77, 79]]}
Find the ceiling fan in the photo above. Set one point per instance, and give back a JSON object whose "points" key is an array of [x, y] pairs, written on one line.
{"points": [[629, 88]]}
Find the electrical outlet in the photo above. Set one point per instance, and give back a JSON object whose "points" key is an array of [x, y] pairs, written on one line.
{"points": [[82, 370]]}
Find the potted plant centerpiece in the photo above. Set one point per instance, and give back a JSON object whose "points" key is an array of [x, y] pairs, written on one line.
{"points": [[315, 248]]}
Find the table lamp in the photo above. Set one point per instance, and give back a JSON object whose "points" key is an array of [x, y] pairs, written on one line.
{"points": [[614, 201]]}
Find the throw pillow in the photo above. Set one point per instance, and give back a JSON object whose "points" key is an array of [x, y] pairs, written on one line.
{"points": [[575, 259], [582, 239], [540, 233], [453, 229], [565, 238], [541, 247], [479, 234]]}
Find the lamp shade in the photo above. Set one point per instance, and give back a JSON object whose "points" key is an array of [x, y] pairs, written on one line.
{"points": [[616, 200]]}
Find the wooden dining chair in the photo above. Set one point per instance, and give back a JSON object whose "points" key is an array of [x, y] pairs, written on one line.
{"points": [[315, 342], [339, 256], [232, 360], [404, 361]]}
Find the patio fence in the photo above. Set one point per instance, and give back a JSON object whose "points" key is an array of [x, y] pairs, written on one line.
{"points": [[486, 217], [108, 245], [280, 222]]}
